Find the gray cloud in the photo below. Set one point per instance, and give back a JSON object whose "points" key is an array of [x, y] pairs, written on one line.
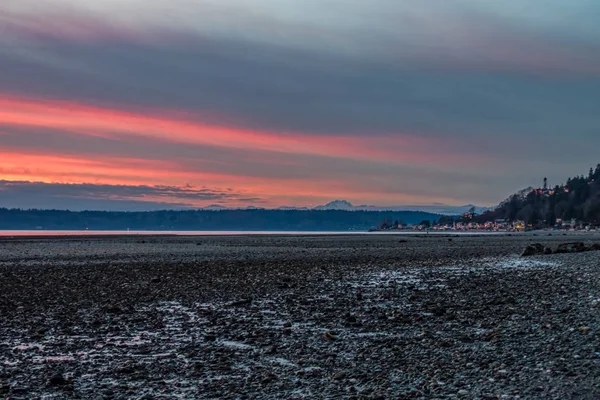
{"points": [[297, 91], [86, 196]]}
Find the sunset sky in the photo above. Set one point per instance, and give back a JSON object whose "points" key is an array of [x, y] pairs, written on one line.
{"points": [[149, 104]]}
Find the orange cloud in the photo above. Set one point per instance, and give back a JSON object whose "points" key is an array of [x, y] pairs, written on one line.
{"points": [[38, 165], [174, 126]]}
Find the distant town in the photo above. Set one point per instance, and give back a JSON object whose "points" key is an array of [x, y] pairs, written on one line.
{"points": [[498, 225]]}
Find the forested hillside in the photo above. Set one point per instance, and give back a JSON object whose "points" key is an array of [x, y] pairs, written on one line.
{"points": [[578, 198], [242, 220]]}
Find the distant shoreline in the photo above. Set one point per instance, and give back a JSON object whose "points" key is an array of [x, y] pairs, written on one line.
{"points": [[90, 233], [70, 234]]}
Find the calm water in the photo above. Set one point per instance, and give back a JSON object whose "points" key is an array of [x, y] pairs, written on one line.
{"points": [[224, 233]]}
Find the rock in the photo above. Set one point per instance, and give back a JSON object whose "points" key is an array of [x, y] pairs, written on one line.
{"points": [[439, 311], [339, 376], [547, 250], [331, 336], [245, 302], [595, 247], [287, 325], [533, 249], [463, 392], [573, 247], [350, 318], [113, 310], [57, 380], [210, 338]]}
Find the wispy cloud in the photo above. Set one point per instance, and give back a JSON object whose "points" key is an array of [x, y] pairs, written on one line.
{"points": [[25, 194]]}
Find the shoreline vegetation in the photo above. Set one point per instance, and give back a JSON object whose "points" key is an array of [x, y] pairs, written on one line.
{"points": [[203, 220]]}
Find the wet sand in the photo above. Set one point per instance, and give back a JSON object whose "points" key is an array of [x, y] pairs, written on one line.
{"points": [[286, 317]]}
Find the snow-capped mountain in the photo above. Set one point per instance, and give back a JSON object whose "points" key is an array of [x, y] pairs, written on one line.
{"points": [[336, 205], [214, 207]]}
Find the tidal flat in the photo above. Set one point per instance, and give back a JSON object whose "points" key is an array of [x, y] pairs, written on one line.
{"points": [[298, 317]]}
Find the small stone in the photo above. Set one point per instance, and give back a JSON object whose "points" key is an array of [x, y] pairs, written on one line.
{"points": [[463, 392], [287, 325], [331, 336]]}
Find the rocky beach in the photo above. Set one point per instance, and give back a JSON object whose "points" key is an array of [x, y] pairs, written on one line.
{"points": [[299, 317]]}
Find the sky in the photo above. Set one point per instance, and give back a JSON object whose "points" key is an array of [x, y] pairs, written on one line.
{"points": [[154, 104]]}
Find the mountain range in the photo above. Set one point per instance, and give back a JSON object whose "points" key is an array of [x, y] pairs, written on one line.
{"points": [[436, 208]]}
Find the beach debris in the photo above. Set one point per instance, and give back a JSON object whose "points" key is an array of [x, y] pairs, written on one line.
{"points": [[331, 336], [584, 329], [533, 249]]}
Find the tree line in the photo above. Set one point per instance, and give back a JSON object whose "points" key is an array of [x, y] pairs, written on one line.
{"points": [[578, 198], [204, 220]]}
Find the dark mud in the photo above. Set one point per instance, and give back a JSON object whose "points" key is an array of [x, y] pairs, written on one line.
{"points": [[298, 317]]}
